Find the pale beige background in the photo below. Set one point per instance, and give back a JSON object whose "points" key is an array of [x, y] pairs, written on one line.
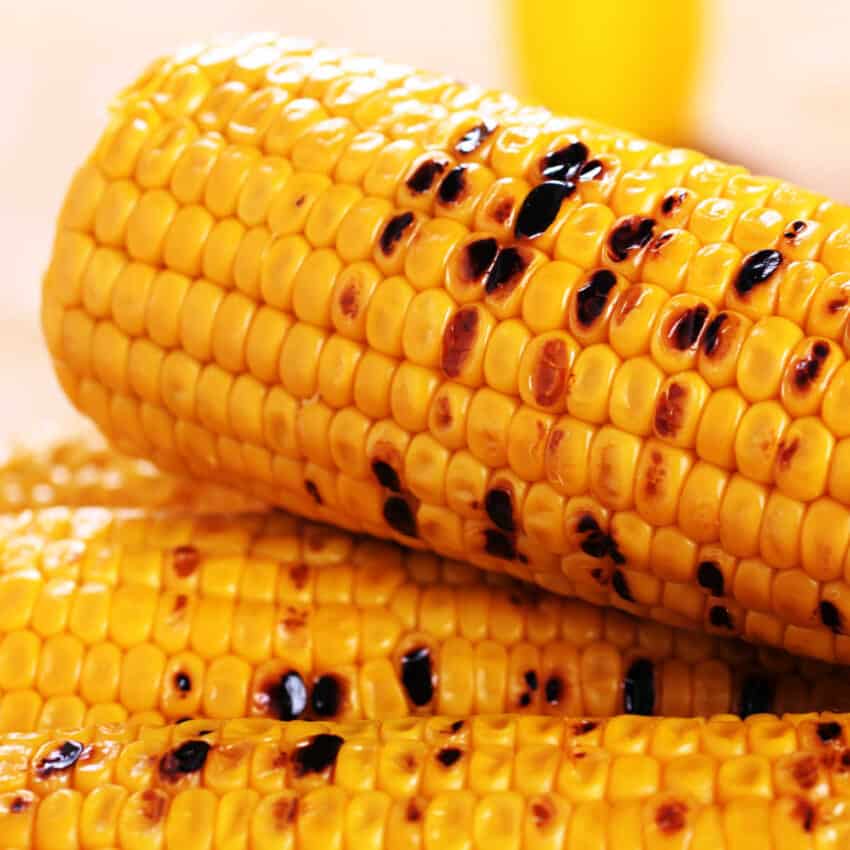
{"points": [[775, 94]]}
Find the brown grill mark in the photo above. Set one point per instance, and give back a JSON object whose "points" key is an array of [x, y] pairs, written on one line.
{"points": [[628, 300], [807, 369], [787, 450], [458, 340], [313, 490], [348, 302], [299, 575], [543, 811], [655, 475], [294, 619], [185, 560], [393, 232], [409, 762], [549, 379], [413, 812], [299, 201], [630, 235], [152, 805], [19, 804], [502, 209], [584, 727], [715, 340], [180, 603], [670, 817], [285, 812], [592, 296], [804, 812], [836, 305], [506, 271], [673, 200], [443, 413], [670, 410], [660, 241], [477, 258], [423, 178], [794, 230], [685, 329]]}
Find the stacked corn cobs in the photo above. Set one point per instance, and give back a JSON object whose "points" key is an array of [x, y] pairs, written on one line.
{"points": [[408, 307]]}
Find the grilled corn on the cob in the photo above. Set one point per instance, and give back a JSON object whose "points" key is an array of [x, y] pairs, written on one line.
{"points": [[520, 783], [409, 306]]}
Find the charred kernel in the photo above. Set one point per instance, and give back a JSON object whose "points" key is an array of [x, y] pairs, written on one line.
{"points": [[596, 544], [182, 720], [631, 234], [757, 695], [326, 697], [499, 545], [182, 682], [592, 296], [399, 515], [670, 410], [786, 451], [287, 696], [621, 586], [550, 373], [710, 577], [711, 337], [587, 523], [757, 268], [830, 616], [672, 201], [505, 271], [584, 727], [386, 475], [685, 331], [525, 700], [660, 241], [423, 178], [530, 677], [65, 756], [316, 755], [671, 816], [394, 230], [18, 805], [553, 690], [805, 812], [449, 756], [836, 305], [543, 811], [502, 211], [808, 368], [413, 812], [452, 185], [185, 560], [795, 229], [477, 258], [474, 137], [189, 757], [499, 506], [348, 303], [285, 812], [456, 727], [565, 163], [805, 772], [639, 688], [593, 169], [458, 340], [829, 731], [720, 618], [313, 490], [417, 675], [541, 207]]}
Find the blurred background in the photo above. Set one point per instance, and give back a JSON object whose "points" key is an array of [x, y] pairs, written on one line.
{"points": [[764, 82]]}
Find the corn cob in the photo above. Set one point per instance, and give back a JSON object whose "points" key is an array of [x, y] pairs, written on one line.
{"points": [[411, 307], [109, 615], [489, 783]]}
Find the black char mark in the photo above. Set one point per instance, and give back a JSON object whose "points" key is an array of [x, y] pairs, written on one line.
{"points": [[478, 257], [394, 230], [592, 296], [808, 368], [710, 577], [830, 616], [499, 507], [474, 137], [499, 545], [287, 696], [720, 618], [631, 234], [316, 755], [829, 730], [189, 757], [449, 756], [621, 586], [452, 185], [509, 265], [591, 170], [565, 163], [423, 178], [688, 326], [63, 757], [756, 269], [399, 516], [712, 333], [182, 682], [639, 688], [386, 475], [313, 490], [541, 207], [553, 690], [326, 697], [757, 695], [417, 675]]}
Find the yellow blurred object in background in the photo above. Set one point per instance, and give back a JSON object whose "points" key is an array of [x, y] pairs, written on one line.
{"points": [[632, 65]]}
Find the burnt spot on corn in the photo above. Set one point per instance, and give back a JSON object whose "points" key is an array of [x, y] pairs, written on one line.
{"points": [[595, 544], [549, 379], [543, 812], [672, 201], [285, 812], [807, 369], [541, 207], [586, 523], [712, 337], [348, 302], [19, 804], [720, 618], [299, 574], [313, 490], [317, 754], [565, 163], [456, 726], [553, 690], [443, 412], [671, 816], [386, 475], [710, 577], [670, 410], [185, 560], [449, 756], [474, 137], [786, 451], [584, 727], [639, 688], [413, 812], [399, 516], [656, 474], [657, 244], [795, 230], [183, 720], [63, 757], [285, 697], [499, 544], [299, 201], [805, 771], [830, 731], [326, 698], [830, 616], [621, 586], [531, 680], [757, 695], [593, 169], [805, 813], [836, 305], [498, 503], [630, 234], [685, 329], [501, 210], [152, 805], [417, 675], [393, 231], [477, 258], [629, 299], [182, 682], [423, 178], [757, 268], [524, 699], [592, 296], [506, 271], [453, 185], [189, 757], [458, 340]]}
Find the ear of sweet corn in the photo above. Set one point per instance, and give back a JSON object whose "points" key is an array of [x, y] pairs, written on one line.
{"points": [[408, 306], [625, 783]]}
